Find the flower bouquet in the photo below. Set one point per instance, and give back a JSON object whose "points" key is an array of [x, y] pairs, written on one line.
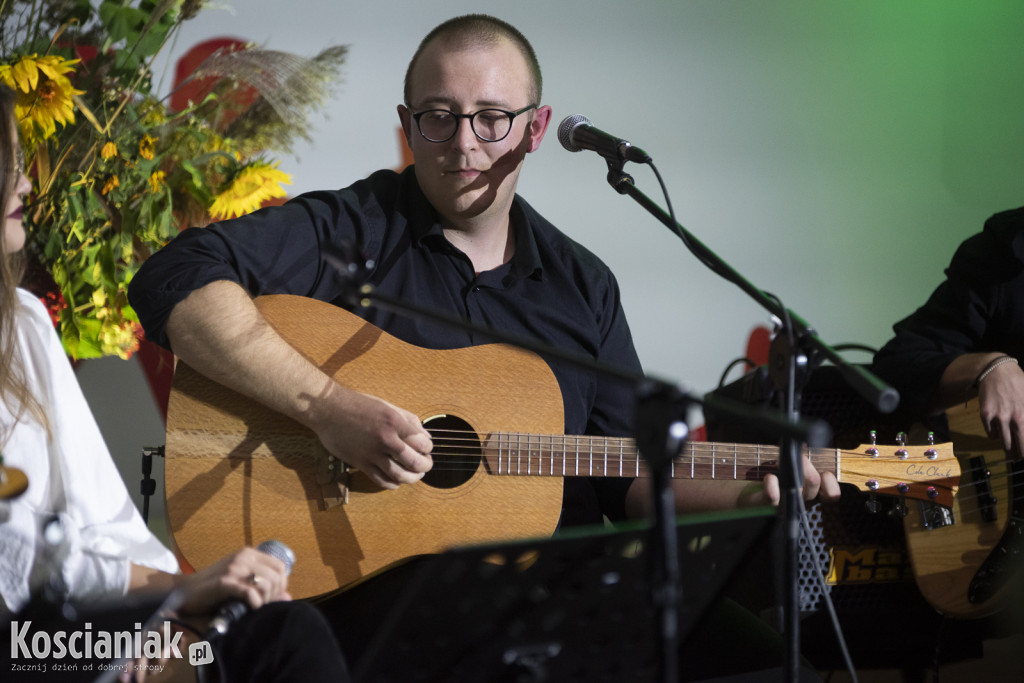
{"points": [[116, 170]]}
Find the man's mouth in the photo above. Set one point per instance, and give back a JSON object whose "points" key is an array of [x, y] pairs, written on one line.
{"points": [[463, 172]]}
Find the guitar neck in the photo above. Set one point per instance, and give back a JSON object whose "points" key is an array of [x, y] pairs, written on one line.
{"points": [[520, 454]]}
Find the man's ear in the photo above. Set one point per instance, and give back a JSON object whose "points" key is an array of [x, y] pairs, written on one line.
{"points": [[405, 116], [538, 126]]}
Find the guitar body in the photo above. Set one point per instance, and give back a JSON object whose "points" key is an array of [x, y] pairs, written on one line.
{"points": [[951, 558], [238, 473]]}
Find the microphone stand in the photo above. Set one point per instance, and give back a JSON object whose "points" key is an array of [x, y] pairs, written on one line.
{"points": [[795, 350], [661, 432]]}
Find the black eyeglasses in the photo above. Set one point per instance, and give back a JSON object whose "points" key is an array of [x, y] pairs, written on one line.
{"points": [[490, 125]]}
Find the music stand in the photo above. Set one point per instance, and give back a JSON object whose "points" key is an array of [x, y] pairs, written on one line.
{"points": [[577, 606]]}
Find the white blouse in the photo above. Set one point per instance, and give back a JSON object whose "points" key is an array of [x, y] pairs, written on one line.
{"points": [[72, 476]]}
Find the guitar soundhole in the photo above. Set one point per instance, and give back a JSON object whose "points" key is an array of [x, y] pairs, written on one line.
{"points": [[456, 453]]}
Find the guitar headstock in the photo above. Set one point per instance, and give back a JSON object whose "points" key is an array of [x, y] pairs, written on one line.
{"points": [[929, 473]]}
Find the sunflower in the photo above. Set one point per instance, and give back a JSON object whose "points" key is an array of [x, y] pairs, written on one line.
{"points": [[44, 94], [251, 186]]}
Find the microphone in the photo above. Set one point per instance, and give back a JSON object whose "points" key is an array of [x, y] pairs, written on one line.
{"points": [[233, 610], [577, 132]]}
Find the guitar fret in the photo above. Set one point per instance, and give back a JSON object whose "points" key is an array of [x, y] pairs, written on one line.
{"points": [[620, 457], [519, 456], [500, 442], [735, 462]]}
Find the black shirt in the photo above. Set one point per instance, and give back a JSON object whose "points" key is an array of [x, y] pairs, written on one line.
{"points": [[553, 290], [978, 308]]}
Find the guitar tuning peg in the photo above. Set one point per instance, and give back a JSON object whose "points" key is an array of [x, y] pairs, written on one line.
{"points": [[900, 508], [873, 451], [931, 453], [901, 439]]}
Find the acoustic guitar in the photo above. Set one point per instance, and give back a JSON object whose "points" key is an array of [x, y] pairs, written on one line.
{"points": [[966, 558], [238, 473]]}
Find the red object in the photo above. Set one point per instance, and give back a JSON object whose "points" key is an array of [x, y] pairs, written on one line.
{"points": [[195, 90], [758, 346]]}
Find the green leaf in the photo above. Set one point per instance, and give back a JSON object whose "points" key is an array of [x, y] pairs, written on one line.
{"points": [[122, 22], [81, 337]]}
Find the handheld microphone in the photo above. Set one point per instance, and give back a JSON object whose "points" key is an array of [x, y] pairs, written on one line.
{"points": [[577, 132], [233, 610]]}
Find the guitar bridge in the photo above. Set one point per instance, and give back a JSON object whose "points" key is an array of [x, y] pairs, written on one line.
{"points": [[333, 477], [1003, 563]]}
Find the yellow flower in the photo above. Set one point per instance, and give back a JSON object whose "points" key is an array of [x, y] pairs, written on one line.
{"points": [[109, 151], [112, 182], [253, 185], [120, 339], [147, 147], [44, 94], [156, 181], [154, 115]]}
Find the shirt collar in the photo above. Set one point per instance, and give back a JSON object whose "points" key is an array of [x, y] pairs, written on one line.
{"points": [[427, 231]]}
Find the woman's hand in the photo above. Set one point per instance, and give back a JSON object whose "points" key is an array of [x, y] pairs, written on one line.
{"points": [[249, 575]]}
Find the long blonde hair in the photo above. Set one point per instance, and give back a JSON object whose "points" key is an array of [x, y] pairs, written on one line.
{"points": [[14, 389]]}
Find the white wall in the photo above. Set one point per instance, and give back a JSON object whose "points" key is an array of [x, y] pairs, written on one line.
{"points": [[834, 153]]}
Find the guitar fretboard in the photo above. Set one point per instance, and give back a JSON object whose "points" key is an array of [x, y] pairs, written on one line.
{"points": [[513, 453]]}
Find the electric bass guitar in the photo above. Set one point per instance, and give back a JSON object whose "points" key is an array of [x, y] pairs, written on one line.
{"points": [[238, 473], [966, 558]]}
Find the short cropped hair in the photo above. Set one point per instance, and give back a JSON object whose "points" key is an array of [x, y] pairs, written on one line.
{"points": [[474, 30]]}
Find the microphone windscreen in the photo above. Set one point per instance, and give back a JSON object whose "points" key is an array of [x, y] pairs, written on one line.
{"points": [[280, 551], [566, 127]]}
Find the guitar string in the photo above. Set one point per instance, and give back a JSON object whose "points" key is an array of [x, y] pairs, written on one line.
{"points": [[550, 445], [702, 455], [699, 454], [697, 448], [973, 491]]}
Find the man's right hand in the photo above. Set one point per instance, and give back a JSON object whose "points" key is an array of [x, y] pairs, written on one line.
{"points": [[219, 332], [1001, 405], [383, 441]]}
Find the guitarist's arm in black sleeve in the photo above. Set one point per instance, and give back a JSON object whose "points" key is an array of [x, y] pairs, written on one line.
{"points": [[967, 340]]}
